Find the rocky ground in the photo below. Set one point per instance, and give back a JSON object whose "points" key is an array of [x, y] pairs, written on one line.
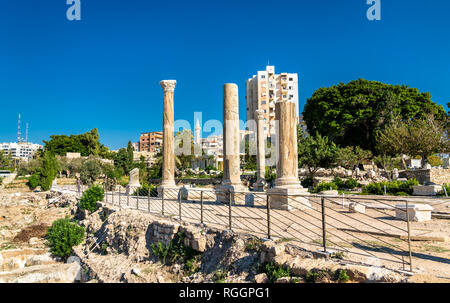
{"points": [[122, 246]]}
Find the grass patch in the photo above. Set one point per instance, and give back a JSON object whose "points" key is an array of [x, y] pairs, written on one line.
{"points": [[253, 244], [436, 249], [275, 272]]}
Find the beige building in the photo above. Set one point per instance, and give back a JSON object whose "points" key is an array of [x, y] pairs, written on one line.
{"points": [[265, 89], [150, 142]]}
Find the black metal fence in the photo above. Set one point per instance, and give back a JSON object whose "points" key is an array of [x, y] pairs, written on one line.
{"points": [[355, 229]]}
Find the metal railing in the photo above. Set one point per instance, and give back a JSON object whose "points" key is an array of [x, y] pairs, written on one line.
{"points": [[315, 222]]}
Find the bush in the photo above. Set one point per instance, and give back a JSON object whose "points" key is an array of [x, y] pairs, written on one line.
{"points": [[342, 276], [392, 188], [307, 182], [174, 251], [63, 235], [90, 198], [351, 183], [145, 189], [441, 193], [325, 186], [275, 272], [34, 181]]}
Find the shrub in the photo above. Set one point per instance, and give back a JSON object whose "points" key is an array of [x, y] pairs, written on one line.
{"points": [[307, 182], [220, 276], [174, 251], [63, 235], [325, 186], [351, 183], [90, 198], [145, 189], [392, 188], [342, 276], [442, 192], [275, 272], [33, 181]]}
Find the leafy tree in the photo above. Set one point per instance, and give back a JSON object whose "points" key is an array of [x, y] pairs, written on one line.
{"points": [[422, 137], [388, 163], [351, 114], [91, 170], [5, 160], [48, 171], [86, 144], [315, 152]]}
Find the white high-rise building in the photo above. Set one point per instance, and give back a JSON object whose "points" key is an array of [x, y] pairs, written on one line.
{"points": [[265, 89], [23, 150]]}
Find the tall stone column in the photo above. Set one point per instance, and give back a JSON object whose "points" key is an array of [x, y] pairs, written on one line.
{"points": [[168, 166], [231, 181], [261, 151], [287, 187]]}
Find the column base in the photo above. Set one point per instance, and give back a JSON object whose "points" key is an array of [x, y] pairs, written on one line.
{"points": [[170, 191], [239, 194], [287, 198]]}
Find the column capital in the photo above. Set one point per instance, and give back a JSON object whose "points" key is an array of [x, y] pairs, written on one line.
{"points": [[168, 85]]}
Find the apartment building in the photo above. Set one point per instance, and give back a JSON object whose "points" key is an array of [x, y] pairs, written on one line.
{"points": [[265, 89], [24, 151], [150, 142]]}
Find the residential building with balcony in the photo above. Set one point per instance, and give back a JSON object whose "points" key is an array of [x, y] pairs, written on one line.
{"points": [[265, 89], [150, 142]]}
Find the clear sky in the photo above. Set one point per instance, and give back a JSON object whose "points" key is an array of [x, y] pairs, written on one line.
{"points": [[68, 77]]}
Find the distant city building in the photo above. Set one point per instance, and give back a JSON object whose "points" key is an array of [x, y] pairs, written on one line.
{"points": [[265, 89], [135, 146], [150, 142], [23, 151], [302, 124]]}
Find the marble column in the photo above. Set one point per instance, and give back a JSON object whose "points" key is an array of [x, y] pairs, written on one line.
{"points": [[261, 151], [287, 188], [231, 185], [168, 166]]}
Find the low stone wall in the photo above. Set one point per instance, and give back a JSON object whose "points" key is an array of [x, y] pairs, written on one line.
{"points": [[425, 176]]}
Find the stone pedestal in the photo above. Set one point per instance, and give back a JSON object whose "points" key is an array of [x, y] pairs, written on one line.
{"points": [[285, 194], [231, 181], [133, 182], [426, 190], [417, 212], [168, 166]]}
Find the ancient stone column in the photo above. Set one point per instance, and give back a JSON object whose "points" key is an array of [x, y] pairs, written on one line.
{"points": [[287, 190], [231, 181], [168, 167], [261, 151]]}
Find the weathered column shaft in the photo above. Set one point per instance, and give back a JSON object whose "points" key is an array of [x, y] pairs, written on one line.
{"points": [[261, 152], [287, 164], [168, 169], [231, 170]]}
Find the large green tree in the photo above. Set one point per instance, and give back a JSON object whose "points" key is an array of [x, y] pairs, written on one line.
{"points": [[351, 114], [86, 144]]}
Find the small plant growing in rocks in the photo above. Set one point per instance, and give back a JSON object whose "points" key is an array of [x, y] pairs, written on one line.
{"points": [[253, 244], [220, 276], [342, 276], [63, 235], [275, 272], [90, 198]]}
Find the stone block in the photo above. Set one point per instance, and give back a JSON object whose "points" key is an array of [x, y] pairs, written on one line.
{"points": [[417, 212], [426, 190], [289, 198], [357, 208], [261, 278]]}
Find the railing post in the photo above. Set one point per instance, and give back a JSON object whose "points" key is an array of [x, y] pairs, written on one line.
{"points": [[324, 230], [128, 196], [409, 237], [148, 200], [268, 216], [162, 202], [229, 210], [179, 203], [201, 207], [138, 194]]}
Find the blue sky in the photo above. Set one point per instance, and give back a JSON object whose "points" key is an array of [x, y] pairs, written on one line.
{"points": [[68, 77]]}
